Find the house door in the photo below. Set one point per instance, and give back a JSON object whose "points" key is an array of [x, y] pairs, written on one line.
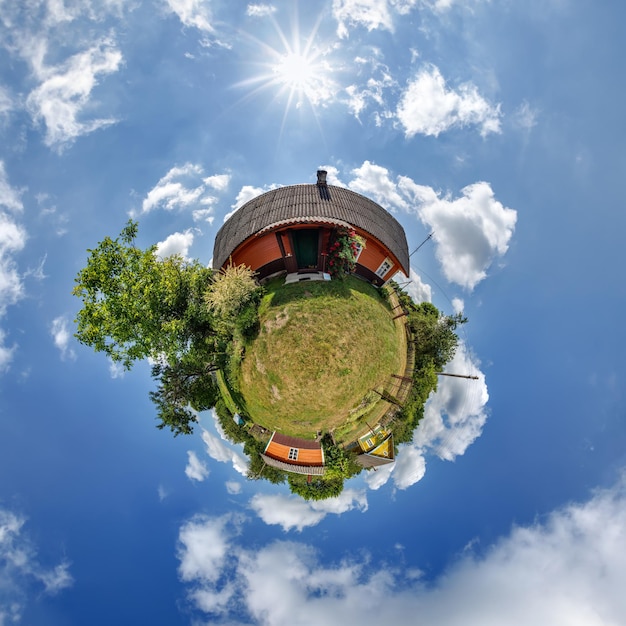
{"points": [[305, 244]]}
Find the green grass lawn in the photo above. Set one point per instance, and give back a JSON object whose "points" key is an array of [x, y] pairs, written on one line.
{"points": [[321, 348]]}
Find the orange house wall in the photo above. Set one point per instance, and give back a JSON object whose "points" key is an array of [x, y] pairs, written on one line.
{"points": [[305, 456], [374, 254], [258, 251]]}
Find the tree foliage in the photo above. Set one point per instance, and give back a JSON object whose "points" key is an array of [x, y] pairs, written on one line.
{"points": [[315, 487], [230, 291], [185, 387], [137, 306]]}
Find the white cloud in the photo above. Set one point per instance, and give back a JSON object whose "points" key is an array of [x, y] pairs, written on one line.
{"points": [[374, 181], [332, 175], [194, 13], [203, 547], [21, 573], [12, 240], [219, 182], [62, 337], [454, 417], [186, 187], [458, 305], [418, 290], [260, 10], [370, 14], [294, 512], [428, 107], [567, 570], [378, 88], [64, 92], [409, 468], [6, 353], [176, 243], [455, 414], [196, 469], [247, 192], [233, 487], [375, 14], [469, 231], [375, 480], [223, 452], [9, 196]]}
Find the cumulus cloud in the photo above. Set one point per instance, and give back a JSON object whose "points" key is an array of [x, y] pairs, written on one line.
{"points": [[247, 192], [185, 187], [567, 570], [429, 107], [455, 415], [62, 336], [294, 512], [196, 469], [469, 231], [414, 286], [193, 13], [370, 14], [219, 450], [64, 93], [332, 175], [22, 576], [375, 181], [458, 305], [176, 243]]}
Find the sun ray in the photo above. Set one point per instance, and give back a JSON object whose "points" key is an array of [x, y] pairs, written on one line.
{"points": [[296, 69]]}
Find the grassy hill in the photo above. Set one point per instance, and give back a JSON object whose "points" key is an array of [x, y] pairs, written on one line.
{"points": [[321, 350]]}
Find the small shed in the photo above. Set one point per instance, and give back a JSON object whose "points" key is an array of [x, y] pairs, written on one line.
{"points": [[380, 454], [292, 454]]}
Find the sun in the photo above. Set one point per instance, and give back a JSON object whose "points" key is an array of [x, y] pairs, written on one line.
{"points": [[295, 71], [298, 69]]}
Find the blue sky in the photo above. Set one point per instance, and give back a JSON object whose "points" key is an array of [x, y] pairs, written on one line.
{"points": [[498, 126]]}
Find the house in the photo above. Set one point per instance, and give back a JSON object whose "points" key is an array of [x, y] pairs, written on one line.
{"points": [[376, 448], [292, 454], [290, 229]]}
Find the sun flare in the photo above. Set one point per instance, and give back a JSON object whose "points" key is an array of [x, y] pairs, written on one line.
{"points": [[298, 70]]}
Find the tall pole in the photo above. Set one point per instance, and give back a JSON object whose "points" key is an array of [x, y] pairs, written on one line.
{"points": [[421, 244], [457, 375]]}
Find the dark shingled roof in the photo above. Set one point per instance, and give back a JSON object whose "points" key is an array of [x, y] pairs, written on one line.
{"points": [[306, 203]]}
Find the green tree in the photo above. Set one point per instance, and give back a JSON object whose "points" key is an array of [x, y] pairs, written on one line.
{"points": [[230, 291], [435, 339], [185, 387], [317, 488], [136, 305]]}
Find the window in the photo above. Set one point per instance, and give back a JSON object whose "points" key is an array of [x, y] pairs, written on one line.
{"points": [[293, 454], [359, 249], [385, 266]]}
